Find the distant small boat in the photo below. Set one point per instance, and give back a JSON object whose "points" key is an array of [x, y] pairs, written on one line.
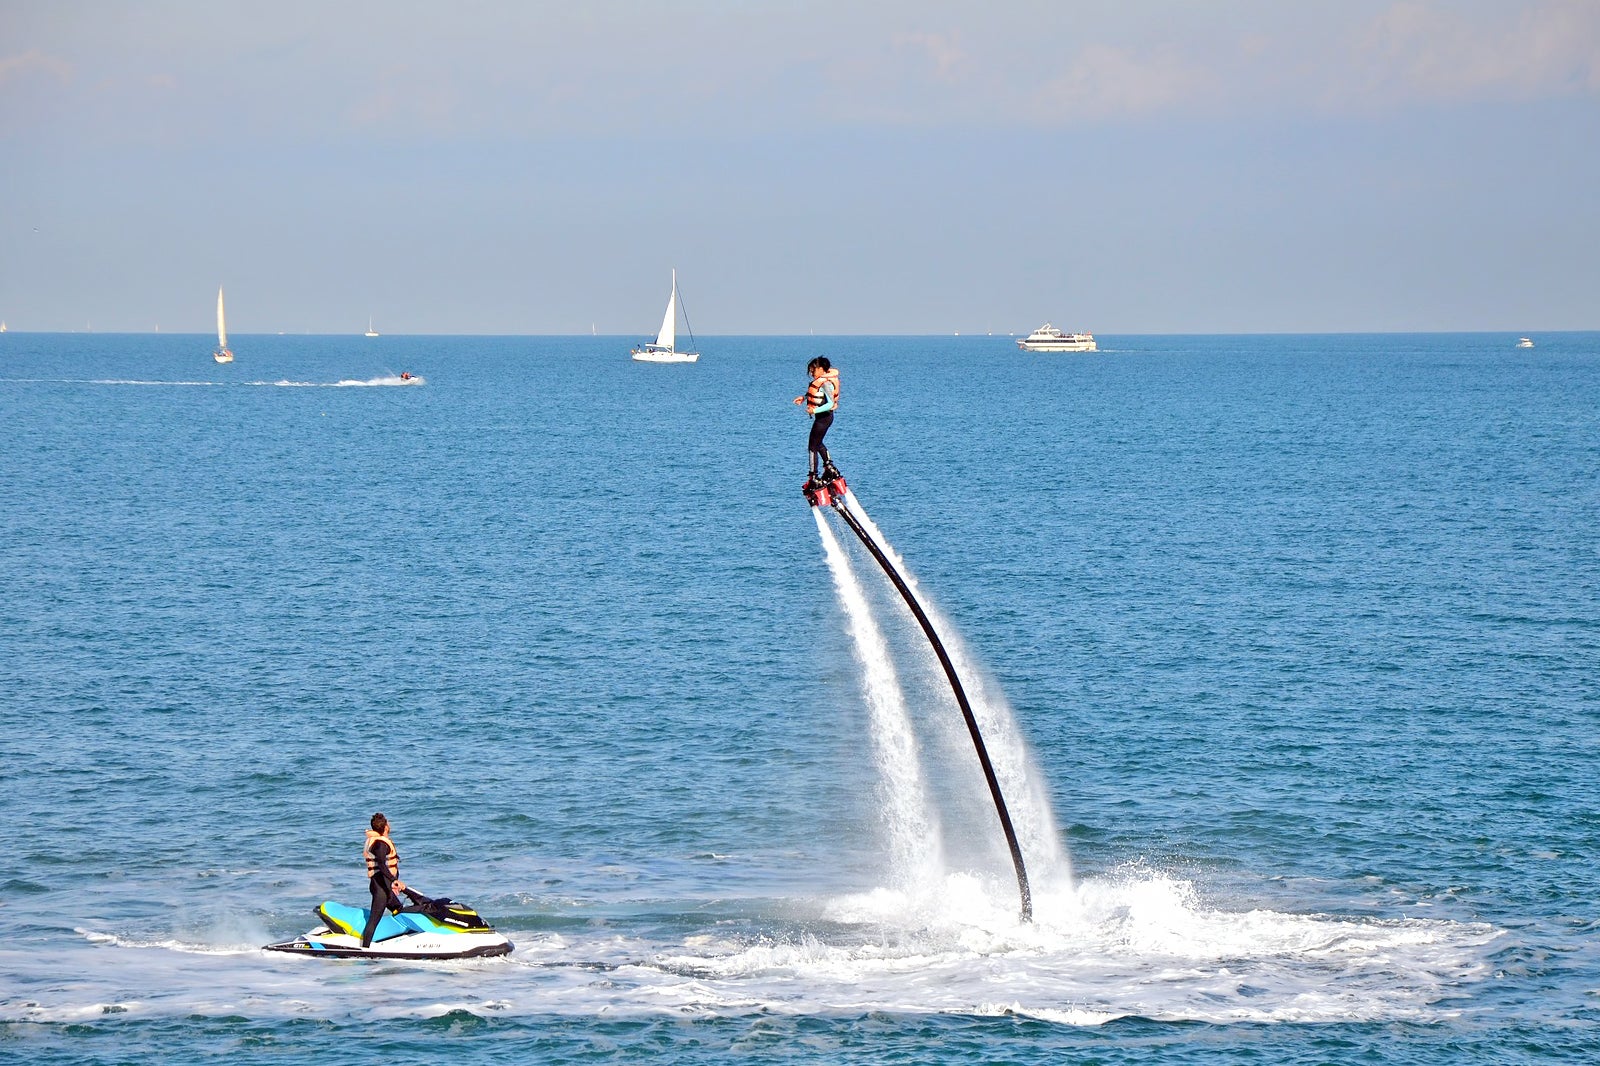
{"points": [[2, 327], [222, 354], [1049, 339], [1525, 343], [665, 350], [370, 331]]}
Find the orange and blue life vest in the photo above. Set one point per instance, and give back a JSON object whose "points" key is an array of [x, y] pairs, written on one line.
{"points": [[823, 395]]}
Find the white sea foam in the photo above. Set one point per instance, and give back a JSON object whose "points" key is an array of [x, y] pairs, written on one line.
{"points": [[1138, 943], [385, 380], [131, 381], [229, 945], [1059, 1017], [1143, 943]]}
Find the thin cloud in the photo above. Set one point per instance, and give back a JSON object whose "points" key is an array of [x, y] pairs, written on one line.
{"points": [[1103, 82], [406, 97], [1435, 53], [33, 63], [519, 71], [943, 51]]}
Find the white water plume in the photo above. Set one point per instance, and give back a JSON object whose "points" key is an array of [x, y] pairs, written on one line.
{"points": [[909, 819], [1021, 782]]}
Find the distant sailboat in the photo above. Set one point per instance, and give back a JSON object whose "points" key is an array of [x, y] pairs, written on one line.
{"points": [[222, 354], [665, 350], [370, 331]]}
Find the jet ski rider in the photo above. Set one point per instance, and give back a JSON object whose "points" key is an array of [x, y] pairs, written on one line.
{"points": [[820, 401], [383, 875]]}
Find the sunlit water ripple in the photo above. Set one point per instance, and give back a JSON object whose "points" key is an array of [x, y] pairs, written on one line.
{"points": [[1295, 638]]}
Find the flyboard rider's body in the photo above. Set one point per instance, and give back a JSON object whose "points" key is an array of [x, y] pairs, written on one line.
{"points": [[383, 875], [820, 401]]}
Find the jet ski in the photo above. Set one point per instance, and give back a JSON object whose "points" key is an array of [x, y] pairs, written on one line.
{"points": [[427, 929]]}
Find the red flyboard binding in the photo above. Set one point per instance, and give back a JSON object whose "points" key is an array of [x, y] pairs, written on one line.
{"points": [[824, 491]]}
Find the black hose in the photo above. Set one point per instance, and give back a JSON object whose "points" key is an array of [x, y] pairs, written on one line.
{"points": [[961, 700]]}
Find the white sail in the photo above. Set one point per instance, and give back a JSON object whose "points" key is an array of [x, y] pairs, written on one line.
{"points": [[222, 326], [668, 337], [665, 349]]}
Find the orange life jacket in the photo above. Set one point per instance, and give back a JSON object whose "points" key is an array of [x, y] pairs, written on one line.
{"points": [[393, 860], [815, 397]]}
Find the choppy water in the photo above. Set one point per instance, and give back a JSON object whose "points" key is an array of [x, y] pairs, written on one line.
{"points": [[1290, 645]]}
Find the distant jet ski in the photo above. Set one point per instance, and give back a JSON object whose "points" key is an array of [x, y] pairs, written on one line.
{"points": [[825, 489], [428, 929]]}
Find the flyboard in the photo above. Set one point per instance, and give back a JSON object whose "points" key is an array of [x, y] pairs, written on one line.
{"points": [[831, 491]]}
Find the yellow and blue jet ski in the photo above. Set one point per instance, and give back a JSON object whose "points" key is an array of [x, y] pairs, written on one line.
{"points": [[427, 929]]}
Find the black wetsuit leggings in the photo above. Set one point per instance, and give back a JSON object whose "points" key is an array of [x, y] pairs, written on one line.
{"points": [[819, 429], [382, 900]]}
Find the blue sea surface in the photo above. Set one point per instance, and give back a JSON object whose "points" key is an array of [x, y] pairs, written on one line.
{"points": [[1289, 647]]}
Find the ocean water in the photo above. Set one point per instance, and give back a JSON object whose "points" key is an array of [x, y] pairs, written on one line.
{"points": [[1287, 650]]}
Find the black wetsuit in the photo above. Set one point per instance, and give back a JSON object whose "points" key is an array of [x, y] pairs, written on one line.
{"points": [[381, 884], [819, 429]]}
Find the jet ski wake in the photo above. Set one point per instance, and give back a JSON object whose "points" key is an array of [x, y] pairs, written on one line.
{"points": [[829, 490], [427, 929]]}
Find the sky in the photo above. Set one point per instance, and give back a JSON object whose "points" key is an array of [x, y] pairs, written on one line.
{"points": [[850, 167]]}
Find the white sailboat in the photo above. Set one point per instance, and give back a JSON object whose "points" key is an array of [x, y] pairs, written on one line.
{"points": [[665, 349], [370, 331], [222, 354]]}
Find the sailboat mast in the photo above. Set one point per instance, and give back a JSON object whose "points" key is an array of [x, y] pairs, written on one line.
{"points": [[222, 327], [685, 307]]}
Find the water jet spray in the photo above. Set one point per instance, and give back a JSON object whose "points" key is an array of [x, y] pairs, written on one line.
{"points": [[832, 493]]}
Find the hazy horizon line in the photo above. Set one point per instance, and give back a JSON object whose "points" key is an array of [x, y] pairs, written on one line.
{"points": [[1520, 331]]}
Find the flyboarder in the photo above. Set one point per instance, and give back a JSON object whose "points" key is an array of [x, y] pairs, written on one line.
{"points": [[820, 401]]}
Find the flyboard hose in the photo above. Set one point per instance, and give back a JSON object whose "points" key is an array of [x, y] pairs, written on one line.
{"points": [[961, 699]]}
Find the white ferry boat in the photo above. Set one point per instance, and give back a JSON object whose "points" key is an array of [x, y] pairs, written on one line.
{"points": [[1049, 339], [1525, 342]]}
